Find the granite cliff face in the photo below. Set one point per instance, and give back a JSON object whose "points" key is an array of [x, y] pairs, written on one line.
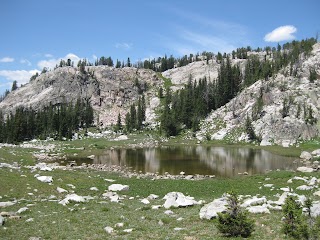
{"points": [[112, 90], [272, 123]]}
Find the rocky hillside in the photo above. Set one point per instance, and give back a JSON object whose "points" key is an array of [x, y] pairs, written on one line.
{"points": [[283, 109], [110, 90]]}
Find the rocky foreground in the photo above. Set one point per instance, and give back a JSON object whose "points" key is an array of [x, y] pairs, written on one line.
{"points": [[65, 193]]}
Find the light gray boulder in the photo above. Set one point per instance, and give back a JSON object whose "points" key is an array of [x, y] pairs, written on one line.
{"points": [[6, 204], [305, 169], [253, 201], [212, 209], [315, 209], [258, 209], [118, 187], [178, 199], [305, 155]]}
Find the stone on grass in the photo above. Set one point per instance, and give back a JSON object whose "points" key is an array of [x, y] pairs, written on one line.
{"points": [[152, 197], [30, 220], [155, 207], [281, 199], [45, 179], [61, 190], [108, 229], [178, 229], [1, 220], [305, 155], [212, 209], [72, 198], [129, 230], [145, 201], [315, 210], [21, 210], [304, 188], [313, 181], [168, 212], [178, 199], [269, 185], [118, 187], [258, 209], [114, 197], [6, 204], [119, 225], [316, 152], [94, 189], [317, 193], [253, 201], [305, 169]]}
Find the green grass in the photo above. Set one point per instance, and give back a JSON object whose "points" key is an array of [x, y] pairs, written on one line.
{"points": [[87, 220]]}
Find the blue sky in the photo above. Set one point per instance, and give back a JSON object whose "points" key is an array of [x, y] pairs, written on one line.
{"points": [[37, 33]]}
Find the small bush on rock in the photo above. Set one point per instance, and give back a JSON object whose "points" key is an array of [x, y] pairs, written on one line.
{"points": [[235, 221]]}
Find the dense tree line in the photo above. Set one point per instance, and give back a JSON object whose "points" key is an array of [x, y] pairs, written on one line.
{"points": [[59, 121], [135, 117]]}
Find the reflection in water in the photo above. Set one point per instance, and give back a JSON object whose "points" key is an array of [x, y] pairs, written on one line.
{"points": [[219, 161]]}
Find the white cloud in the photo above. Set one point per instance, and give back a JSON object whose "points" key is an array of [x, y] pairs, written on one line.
{"points": [[124, 46], [51, 63], [48, 55], [21, 76], [207, 42], [25, 61], [6, 59], [283, 33]]}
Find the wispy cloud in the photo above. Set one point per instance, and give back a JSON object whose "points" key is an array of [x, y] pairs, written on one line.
{"points": [[193, 33], [25, 61], [7, 59], [21, 76], [51, 63], [283, 33], [124, 45], [48, 55]]}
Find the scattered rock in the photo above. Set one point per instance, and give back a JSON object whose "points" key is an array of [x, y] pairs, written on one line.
{"points": [[178, 199], [118, 187], [178, 229], [315, 210], [119, 225], [71, 185], [109, 180], [304, 188], [73, 198], [21, 210], [253, 201], [61, 190], [258, 209], [155, 207], [129, 230], [305, 155], [316, 152], [152, 197], [305, 169], [6, 204], [45, 179], [2, 220], [108, 229], [145, 201], [30, 220], [94, 189], [169, 212], [121, 138], [212, 209], [317, 193], [268, 185]]}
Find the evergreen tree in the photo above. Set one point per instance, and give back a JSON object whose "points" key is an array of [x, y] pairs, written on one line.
{"points": [[14, 86]]}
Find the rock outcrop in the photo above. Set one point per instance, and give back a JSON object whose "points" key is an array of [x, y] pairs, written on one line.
{"points": [[110, 90], [270, 123]]}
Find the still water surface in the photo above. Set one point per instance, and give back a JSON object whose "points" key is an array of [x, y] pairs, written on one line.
{"points": [[219, 161]]}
